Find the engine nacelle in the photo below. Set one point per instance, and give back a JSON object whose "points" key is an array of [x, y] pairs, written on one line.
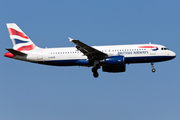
{"points": [[120, 68], [114, 60]]}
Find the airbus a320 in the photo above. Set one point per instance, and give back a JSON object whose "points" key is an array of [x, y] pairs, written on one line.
{"points": [[112, 58]]}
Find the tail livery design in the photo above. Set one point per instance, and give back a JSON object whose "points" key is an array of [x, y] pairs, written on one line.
{"points": [[111, 58], [20, 40]]}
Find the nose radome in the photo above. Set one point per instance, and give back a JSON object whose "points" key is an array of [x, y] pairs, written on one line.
{"points": [[173, 54]]}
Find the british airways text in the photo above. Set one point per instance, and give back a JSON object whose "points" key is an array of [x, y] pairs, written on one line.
{"points": [[133, 52]]}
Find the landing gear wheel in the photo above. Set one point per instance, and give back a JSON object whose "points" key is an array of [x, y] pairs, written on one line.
{"points": [[153, 69], [95, 74], [94, 69]]}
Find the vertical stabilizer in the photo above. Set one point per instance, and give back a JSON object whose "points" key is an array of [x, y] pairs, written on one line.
{"points": [[20, 41]]}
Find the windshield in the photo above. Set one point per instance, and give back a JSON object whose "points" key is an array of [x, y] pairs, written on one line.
{"points": [[164, 48]]}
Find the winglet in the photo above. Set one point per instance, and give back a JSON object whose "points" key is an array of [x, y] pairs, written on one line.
{"points": [[70, 39]]}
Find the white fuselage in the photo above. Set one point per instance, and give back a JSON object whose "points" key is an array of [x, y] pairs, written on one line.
{"points": [[138, 53]]}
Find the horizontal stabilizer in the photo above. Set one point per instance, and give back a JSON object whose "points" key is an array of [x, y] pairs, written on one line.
{"points": [[15, 52]]}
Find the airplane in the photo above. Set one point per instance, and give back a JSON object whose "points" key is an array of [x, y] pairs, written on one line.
{"points": [[112, 58]]}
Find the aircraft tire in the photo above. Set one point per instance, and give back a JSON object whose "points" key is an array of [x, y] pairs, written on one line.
{"points": [[94, 69], [95, 74], [153, 70]]}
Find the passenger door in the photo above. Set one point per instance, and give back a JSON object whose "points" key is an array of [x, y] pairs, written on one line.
{"points": [[153, 51], [40, 54]]}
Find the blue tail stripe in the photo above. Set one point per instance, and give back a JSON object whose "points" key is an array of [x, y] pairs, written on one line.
{"points": [[17, 41]]}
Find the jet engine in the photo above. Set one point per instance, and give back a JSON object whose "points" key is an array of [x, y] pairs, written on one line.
{"points": [[114, 60], [114, 64]]}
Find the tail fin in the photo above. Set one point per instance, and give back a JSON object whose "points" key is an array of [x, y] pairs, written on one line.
{"points": [[20, 40]]}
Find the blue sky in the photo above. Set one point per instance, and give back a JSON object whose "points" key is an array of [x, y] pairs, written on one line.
{"points": [[32, 91]]}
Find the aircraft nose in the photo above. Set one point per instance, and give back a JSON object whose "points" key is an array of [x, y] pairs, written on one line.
{"points": [[173, 54]]}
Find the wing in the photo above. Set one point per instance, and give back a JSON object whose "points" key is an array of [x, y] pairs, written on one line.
{"points": [[89, 51]]}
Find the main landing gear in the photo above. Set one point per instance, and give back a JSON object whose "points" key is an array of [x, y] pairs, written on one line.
{"points": [[153, 69], [94, 70]]}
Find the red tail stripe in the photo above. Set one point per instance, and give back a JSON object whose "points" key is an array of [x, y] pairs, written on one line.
{"points": [[15, 32], [26, 48]]}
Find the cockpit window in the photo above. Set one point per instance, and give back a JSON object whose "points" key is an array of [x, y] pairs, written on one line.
{"points": [[164, 49]]}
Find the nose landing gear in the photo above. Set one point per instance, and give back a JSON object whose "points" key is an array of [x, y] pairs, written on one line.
{"points": [[153, 69]]}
